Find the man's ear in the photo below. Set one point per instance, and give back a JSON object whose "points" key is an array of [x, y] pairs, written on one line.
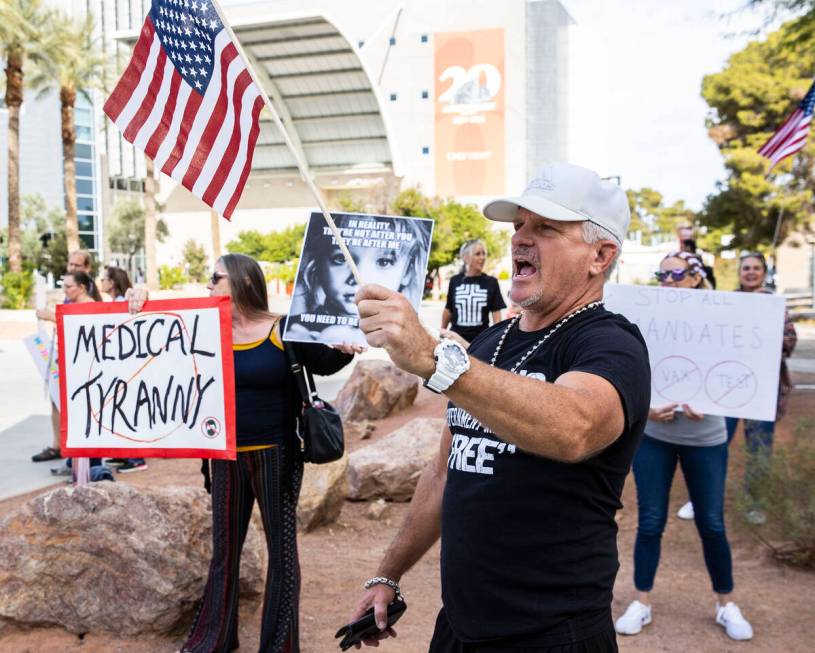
{"points": [[604, 255]]}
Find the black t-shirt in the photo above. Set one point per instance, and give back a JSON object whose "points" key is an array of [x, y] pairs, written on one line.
{"points": [[471, 300], [529, 545]]}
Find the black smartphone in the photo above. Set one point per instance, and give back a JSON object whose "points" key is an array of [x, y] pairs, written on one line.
{"points": [[365, 626]]}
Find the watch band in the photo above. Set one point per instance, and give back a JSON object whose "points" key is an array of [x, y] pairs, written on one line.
{"points": [[439, 382]]}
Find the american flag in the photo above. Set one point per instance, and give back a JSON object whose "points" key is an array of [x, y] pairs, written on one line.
{"points": [[187, 100], [792, 135]]}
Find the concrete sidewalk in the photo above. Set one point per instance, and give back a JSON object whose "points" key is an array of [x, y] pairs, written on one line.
{"points": [[25, 423]]}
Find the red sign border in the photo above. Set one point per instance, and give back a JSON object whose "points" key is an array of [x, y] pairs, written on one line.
{"points": [[224, 306]]}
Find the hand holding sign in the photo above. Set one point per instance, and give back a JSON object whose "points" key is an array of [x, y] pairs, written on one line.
{"points": [[389, 321]]}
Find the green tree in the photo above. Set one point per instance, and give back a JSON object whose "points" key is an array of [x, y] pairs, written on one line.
{"points": [[804, 9], [42, 236], [274, 246], [195, 258], [455, 223], [126, 230], [655, 221], [750, 98], [75, 66], [26, 34]]}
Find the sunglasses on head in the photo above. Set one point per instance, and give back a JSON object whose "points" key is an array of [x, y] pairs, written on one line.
{"points": [[676, 274], [215, 278]]}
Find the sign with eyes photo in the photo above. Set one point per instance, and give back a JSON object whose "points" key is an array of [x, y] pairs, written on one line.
{"points": [[390, 251]]}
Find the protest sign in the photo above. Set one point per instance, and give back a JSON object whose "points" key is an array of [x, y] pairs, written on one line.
{"points": [[390, 251], [719, 352], [156, 384], [41, 347]]}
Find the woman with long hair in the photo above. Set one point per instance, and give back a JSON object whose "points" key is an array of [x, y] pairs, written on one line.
{"points": [[78, 287], [473, 298], [759, 434], [679, 434], [115, 282], [268, 468]]}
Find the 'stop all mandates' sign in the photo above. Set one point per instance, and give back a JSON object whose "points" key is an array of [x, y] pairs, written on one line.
{"points": [[156, 384], [719, 352]]}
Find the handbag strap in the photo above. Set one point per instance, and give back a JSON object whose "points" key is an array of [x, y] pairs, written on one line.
{"points": [[305, 382]]}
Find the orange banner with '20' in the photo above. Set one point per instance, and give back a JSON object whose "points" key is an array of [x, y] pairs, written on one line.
{"points": [[470, 139]]}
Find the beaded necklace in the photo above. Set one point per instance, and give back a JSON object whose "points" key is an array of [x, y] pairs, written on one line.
{"points": [[545, 337]]}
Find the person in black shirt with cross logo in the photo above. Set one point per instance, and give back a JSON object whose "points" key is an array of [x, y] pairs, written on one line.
{"points": [[545, 413], [472, 296]]}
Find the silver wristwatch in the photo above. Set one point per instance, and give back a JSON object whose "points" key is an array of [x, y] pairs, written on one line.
{"points": [[452, 361]]}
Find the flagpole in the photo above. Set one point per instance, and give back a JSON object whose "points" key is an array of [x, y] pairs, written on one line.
{"points": [[301, 165]]}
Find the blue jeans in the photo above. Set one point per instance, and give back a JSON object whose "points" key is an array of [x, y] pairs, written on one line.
{"points": [[705, 469], [758, 440]]}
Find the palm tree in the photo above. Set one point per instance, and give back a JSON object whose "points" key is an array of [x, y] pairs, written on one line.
{"points": [[76, 66], [25, 34]]}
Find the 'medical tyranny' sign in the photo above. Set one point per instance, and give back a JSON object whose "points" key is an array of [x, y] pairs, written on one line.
{"points": [[158, 384]]}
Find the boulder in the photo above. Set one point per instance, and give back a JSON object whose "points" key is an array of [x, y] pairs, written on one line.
{"points": [[114, 558], [358, 430], [322, 494], [390, 467], [377, 510], [374, 390]]}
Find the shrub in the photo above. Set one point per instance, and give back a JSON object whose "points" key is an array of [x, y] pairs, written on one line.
{"points": [[170, 277], [283, 271], [17, 289], [787, 495]]}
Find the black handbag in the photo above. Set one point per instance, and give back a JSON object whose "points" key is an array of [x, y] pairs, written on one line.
{"points": [[319, 426]]}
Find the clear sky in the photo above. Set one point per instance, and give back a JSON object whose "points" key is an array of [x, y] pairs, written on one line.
{"points": [[637, 69]]}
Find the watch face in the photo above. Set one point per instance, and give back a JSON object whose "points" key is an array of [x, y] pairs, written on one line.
{"points": [[453, 357]]}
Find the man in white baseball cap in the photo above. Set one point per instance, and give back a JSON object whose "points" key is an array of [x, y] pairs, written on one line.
{"points": [[545, 413]]}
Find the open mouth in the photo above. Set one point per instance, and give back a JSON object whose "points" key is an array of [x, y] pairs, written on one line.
{"points": [[523, 267]]}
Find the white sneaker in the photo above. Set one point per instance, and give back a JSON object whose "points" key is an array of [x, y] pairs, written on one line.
{"points": [[686, 511], [635, 617], [735, 625]]}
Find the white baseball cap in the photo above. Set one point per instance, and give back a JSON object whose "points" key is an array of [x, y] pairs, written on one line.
{"points": [[562, 191]]}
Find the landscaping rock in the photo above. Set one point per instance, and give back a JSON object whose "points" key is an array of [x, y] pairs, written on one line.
{"points": [[324, 490], [390, 468], [377, 510], [114, 558], [358, 430], [374, 390]]}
